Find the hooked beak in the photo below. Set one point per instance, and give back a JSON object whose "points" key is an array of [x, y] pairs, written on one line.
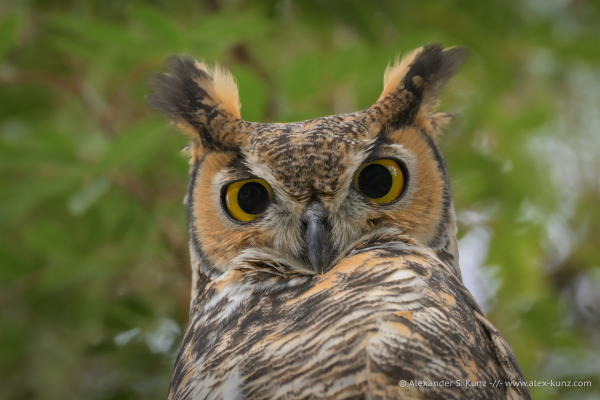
{"points": [[318, 246]]}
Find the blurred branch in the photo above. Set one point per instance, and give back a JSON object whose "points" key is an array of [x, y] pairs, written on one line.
{"points": [[66, 84], [133, 186]]}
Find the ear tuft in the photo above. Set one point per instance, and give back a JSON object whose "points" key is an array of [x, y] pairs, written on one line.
{"points": [[447, 61], [394, 73], [200, 100], [412, 86], [222, 88]]}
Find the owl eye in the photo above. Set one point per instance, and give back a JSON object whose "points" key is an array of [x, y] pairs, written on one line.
{"points": [[245, 200], [382, 180]]}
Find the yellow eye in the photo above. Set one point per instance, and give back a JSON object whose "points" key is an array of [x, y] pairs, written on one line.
{"points": [[380, 180], [245, 200]]}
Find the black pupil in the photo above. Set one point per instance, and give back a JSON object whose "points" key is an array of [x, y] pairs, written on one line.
{"points": [[253, 198], [375, 181]]}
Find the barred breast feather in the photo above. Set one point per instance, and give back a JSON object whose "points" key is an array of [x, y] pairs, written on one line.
{"points": [[385, 313]]}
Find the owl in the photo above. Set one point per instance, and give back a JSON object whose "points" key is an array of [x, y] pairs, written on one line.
{"points": [[324, 253]]}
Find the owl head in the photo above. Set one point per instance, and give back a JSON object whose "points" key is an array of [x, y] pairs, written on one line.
{"points": [[298, 197]]}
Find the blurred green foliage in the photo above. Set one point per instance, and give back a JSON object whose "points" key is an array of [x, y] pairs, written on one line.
{"points": [[94, 269]]}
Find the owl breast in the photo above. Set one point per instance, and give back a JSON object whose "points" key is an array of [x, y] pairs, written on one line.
{"points": [[378, 317]]}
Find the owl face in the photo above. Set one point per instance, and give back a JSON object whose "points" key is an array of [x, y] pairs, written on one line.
{"points": [[299, 196]]}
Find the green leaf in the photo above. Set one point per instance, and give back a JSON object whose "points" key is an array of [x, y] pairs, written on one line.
{"points": [[229, 26], [302, 78], [134, 146], [253, 94], [159, 26], [109, 36], [83, 199], [22, 197], [10, 24]]}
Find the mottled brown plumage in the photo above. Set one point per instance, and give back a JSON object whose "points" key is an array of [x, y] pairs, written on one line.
{"points": [[326, 292]]}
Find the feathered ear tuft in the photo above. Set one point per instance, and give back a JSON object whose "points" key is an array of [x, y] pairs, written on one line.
{"points": [[201, 101], [412, 86]]}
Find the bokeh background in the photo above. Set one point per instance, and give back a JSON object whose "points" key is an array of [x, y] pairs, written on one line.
{"points": [[94, 267]]}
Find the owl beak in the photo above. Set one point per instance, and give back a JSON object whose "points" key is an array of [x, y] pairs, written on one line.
{"points": [[317, 238], [317, 243]]}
